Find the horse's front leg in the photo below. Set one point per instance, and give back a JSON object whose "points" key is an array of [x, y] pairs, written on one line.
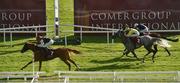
{"points": [[134, 55], [40, 63], [26, 65], [124, 52], [145, 56]]}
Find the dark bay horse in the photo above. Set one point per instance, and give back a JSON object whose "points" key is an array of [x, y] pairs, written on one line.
{"points": [[149, 43], [61, 53]]}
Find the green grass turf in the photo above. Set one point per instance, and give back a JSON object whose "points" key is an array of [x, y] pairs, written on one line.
{"points": [[96, 55]]}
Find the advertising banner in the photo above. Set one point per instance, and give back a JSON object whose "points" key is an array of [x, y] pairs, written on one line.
{"points": [[20, 13], [155, 14]]}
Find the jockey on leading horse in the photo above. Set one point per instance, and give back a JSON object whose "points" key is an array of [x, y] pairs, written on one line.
{"points": [[44, 43], [143, 30], [132, 33]]}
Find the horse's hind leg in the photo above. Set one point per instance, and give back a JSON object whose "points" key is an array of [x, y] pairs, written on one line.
{"points": [[167, 51], [26, 65], [149, 49], [74, 63], [67, 63], [40, 63], [154, 52]]}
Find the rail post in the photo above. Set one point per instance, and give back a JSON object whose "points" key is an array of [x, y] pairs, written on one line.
{"points": [[66, 79], [65, 40], [11, 38], [56, 18], [178, 76], [114, 77], [112, 40], [81, 33], [108, 37], [4, 35]]}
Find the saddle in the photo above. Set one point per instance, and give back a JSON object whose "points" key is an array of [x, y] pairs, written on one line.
{"points": [[47, 52], [136, 40]]}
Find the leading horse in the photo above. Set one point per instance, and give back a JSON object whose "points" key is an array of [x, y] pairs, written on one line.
{"points": [[147, 41], [39, 55]]}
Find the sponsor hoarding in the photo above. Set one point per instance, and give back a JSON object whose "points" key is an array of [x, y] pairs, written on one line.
{"points": [[20, 13], [156, 14]]}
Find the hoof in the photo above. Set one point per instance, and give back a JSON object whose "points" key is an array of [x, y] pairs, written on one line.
{"points": [[153, 61], [77, 69]]}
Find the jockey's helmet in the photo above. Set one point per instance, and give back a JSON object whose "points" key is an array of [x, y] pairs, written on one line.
{"points": [[136, 24]]}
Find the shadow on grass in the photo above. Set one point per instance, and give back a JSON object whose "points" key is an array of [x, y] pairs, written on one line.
{"points": [[117, 59], [99, 49], [113, 67]]}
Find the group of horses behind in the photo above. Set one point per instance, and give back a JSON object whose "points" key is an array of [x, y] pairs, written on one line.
{"points": [[150, 43]]}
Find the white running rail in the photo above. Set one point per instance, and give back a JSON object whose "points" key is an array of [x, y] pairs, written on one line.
{"points": [[119, 77]]}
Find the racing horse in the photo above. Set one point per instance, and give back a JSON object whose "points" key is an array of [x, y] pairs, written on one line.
{"points": [[39, 55], [153, 34], [147, 41]]}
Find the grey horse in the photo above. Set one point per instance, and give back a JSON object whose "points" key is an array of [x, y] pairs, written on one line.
{"points": [[149, 43]]}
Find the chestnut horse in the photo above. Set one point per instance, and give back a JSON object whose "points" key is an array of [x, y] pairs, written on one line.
{"points": [[61, 53]]}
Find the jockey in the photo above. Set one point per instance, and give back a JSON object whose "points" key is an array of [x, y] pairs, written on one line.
{"points": [[132, 33], [141, 28], [44, 43]]}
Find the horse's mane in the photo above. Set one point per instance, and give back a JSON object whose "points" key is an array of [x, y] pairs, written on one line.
{"points": [[31, 43], [35, 45]]}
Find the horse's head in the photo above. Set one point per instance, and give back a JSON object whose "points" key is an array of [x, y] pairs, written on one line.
{"points": [[119, 33], [25, 48]]}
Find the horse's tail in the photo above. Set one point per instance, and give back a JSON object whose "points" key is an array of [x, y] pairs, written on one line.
{"points": [[162, 42], [74, 51], [171, 39], [163, 37]]}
